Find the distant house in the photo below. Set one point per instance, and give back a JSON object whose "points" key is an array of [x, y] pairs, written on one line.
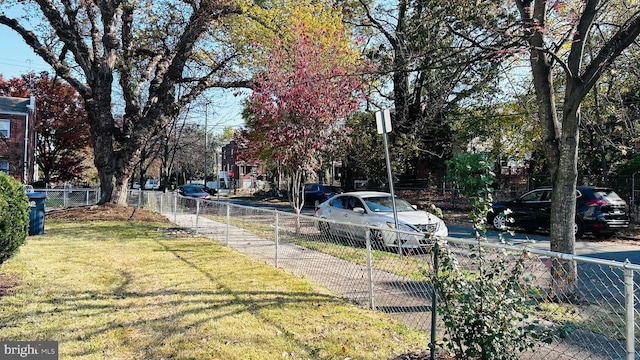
{"points": [[17, 138], [238, 173]]}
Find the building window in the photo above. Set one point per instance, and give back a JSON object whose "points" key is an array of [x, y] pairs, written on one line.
{"points": [[4, 166], [5, 126]]}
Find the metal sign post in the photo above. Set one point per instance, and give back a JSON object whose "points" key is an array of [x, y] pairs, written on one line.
{"points": [[383, 123]]}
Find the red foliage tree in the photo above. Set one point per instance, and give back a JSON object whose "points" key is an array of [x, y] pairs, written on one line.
{"points": [[297, 106], [61, 125]]}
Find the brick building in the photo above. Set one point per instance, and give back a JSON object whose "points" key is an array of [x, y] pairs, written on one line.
{"points": [[238, 172], [17, 138]]}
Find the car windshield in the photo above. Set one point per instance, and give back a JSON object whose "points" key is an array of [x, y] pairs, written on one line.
{"points": [[193, 190], [384, 204]]}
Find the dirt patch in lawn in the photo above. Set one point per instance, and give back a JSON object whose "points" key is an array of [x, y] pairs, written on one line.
{"points": [[106, 212], [7, 283]]}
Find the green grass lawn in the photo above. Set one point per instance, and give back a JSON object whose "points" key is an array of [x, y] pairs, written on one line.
{"points": [[122, 290]]}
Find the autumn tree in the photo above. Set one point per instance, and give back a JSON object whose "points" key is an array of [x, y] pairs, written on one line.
{"points": [[61, 125], [298, 104], [130, 58]]}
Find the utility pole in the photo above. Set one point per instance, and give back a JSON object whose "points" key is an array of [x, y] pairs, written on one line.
{"points": [[206, 140]]}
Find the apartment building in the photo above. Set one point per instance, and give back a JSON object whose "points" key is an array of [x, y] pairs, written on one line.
{"points": [[17, 138]]}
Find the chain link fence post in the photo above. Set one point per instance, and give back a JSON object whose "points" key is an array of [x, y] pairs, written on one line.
{"points": [[197, 213], [434, 303], [277, 237], [372, 304], [175, 208], [630, 312], [228, 223]]}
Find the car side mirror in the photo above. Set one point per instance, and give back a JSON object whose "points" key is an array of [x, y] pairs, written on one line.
{"points": [[358, 210]]}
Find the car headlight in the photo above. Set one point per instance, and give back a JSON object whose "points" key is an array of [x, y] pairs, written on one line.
{"points": [[403, 227]]}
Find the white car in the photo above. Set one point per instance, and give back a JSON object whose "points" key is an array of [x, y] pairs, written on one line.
{"points": [[152, 184], [374, 208]]}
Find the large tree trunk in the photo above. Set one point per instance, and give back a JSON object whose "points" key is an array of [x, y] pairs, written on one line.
{"points": [[114, 166], [561, 150], [113, 172], [98, 107], [563, 210]]}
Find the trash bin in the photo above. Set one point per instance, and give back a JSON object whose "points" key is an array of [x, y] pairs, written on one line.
{"points": [[36, 214]]}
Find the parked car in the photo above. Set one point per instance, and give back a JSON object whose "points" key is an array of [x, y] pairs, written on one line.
{"points": [[193, 190], [599, 210], [152, 184], [318, 193], [210, 190], [375, 208]]}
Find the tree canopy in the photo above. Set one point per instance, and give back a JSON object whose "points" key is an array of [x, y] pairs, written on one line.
{"points": [[427, 73], [299, 103], [145, 60]]}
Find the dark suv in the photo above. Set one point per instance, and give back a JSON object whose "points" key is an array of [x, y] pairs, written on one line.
{"points": [[599, 210], [319, 193]]}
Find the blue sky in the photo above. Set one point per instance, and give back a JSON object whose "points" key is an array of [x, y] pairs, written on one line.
{"points": [[16, 59]]}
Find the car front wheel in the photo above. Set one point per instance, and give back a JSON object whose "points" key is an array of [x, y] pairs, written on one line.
{"points": [[499, 221], [377, 241], [324, 229]]}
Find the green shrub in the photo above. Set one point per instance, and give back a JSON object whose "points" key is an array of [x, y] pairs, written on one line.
{"points": [[487, 313], [14, 216]]}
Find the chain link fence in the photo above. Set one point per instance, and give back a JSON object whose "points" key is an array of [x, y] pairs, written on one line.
{"points": [[70, 197], [593, 316]]}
